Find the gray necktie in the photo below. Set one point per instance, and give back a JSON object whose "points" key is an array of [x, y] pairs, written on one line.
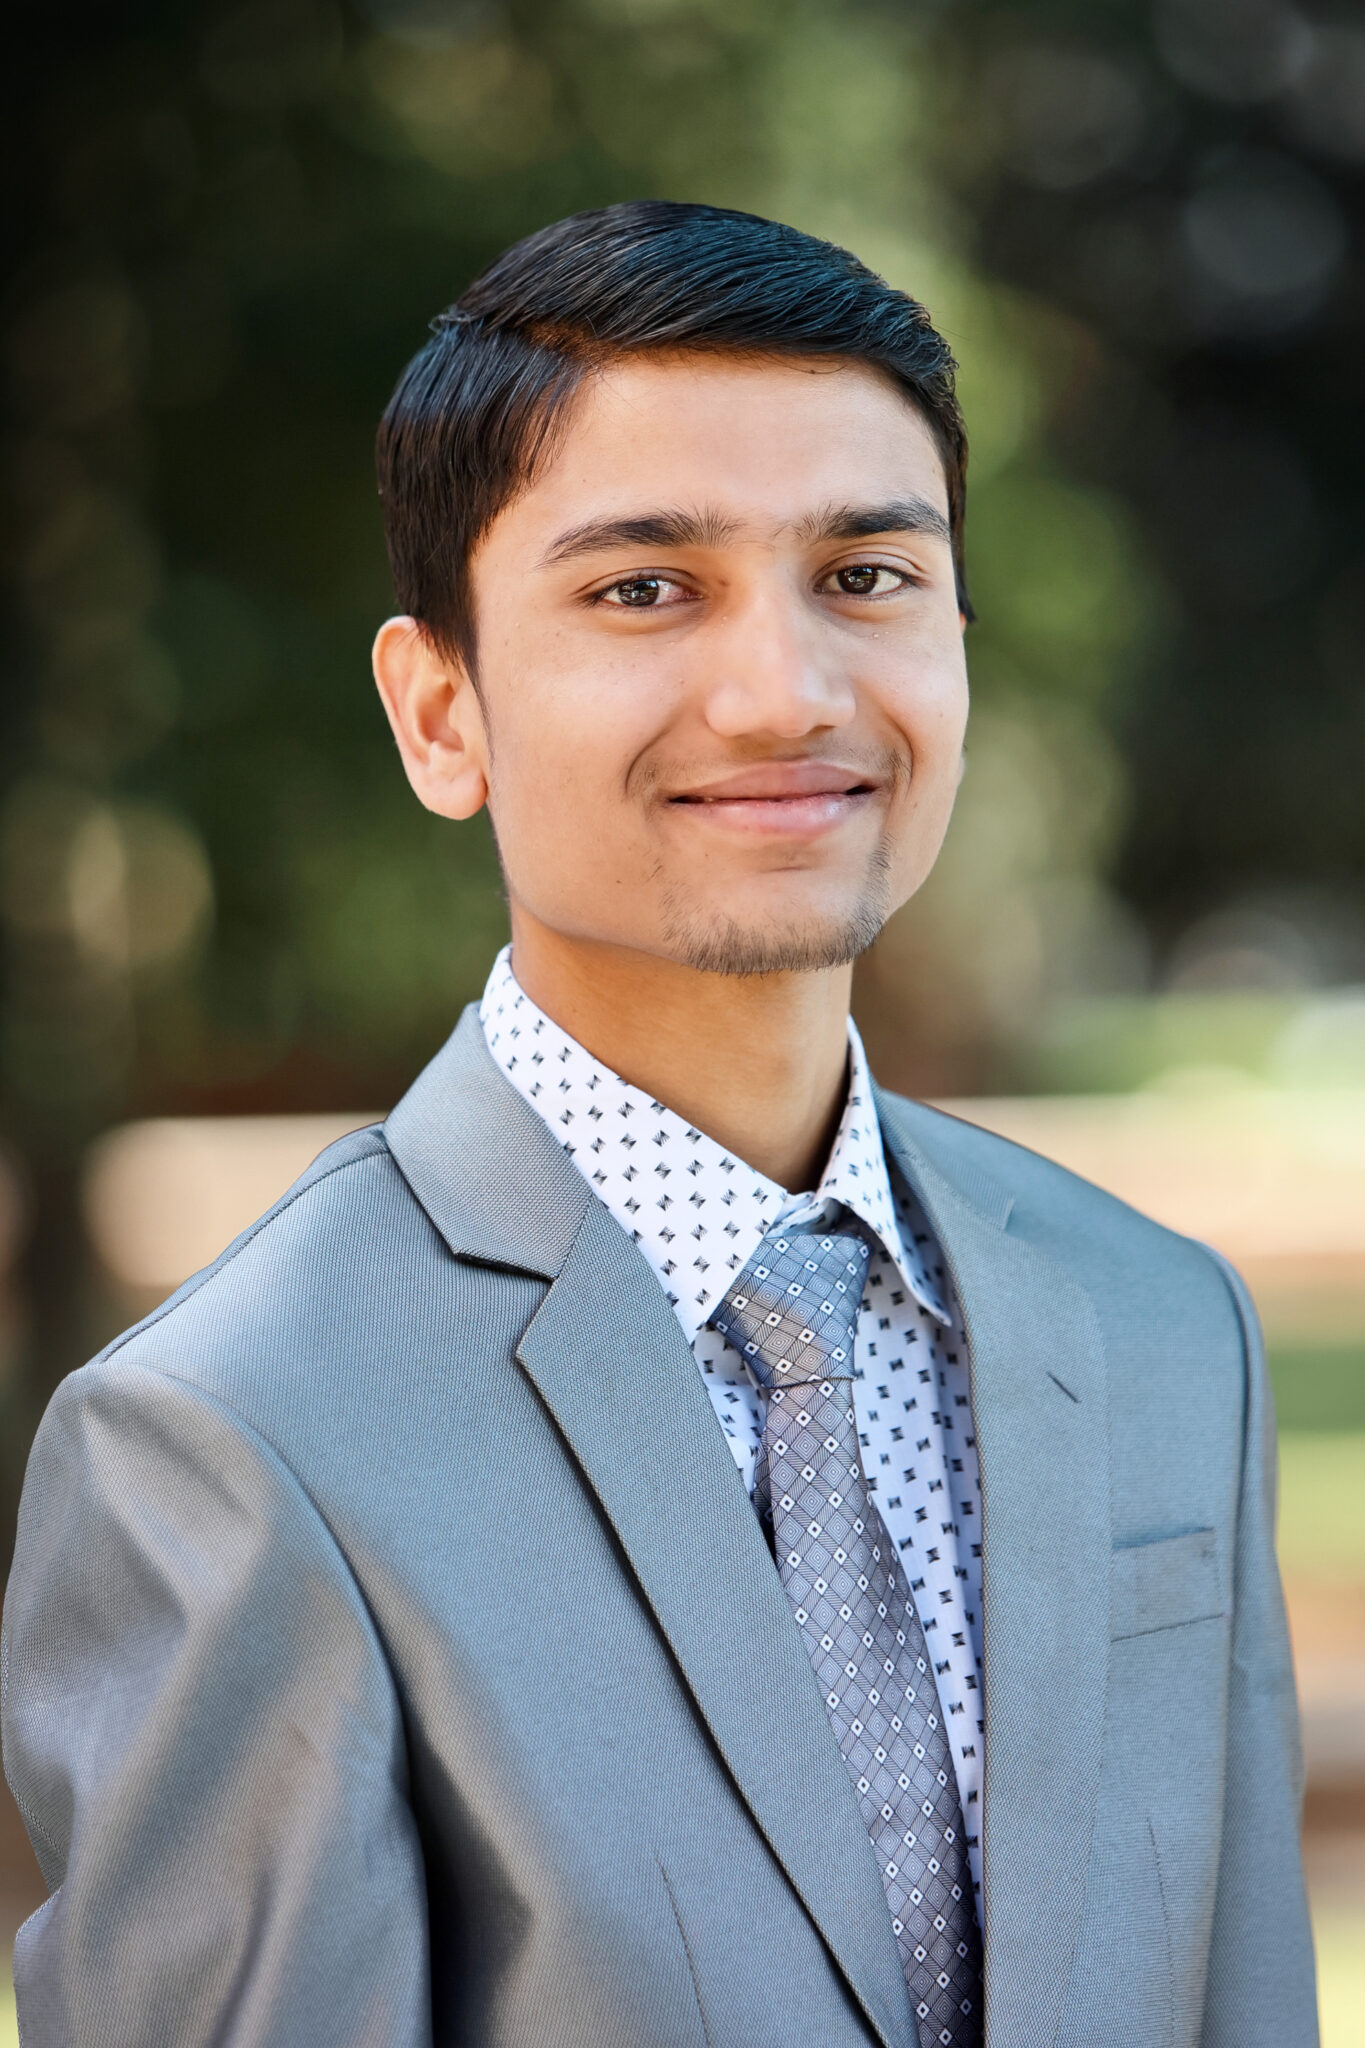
{"points": [[791, 1315]]}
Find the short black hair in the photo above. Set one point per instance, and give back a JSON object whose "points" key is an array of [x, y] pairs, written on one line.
{"points": [[477, 406]]}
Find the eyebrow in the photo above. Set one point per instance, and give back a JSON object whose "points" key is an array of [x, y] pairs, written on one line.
{"points": [[710, 529], [646, 530], [859, 522]]}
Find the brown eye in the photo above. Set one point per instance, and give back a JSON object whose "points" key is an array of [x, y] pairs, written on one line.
{"points": [[858, 581], [639, 592]]}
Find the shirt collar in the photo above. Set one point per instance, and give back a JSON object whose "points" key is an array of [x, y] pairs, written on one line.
{"points": [[622, 1140]]}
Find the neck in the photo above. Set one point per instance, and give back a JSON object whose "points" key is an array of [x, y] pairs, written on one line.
{"points": [[758, 1062]]}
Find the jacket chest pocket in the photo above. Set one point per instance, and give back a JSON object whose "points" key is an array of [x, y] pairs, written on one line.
{"points": [[1165, 1584]]}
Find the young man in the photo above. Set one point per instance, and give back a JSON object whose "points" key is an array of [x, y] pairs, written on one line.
{"points": [[660, 1545]]}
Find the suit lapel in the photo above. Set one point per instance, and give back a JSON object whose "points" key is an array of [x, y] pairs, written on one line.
{"points": [[610, 1362], [607, 1355], [1041, 1414], [483, 1165]]}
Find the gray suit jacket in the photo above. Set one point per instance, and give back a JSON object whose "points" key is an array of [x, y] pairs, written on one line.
{"points": [[392, 1654]]}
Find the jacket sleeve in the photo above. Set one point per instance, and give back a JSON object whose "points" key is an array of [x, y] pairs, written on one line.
{"points": [[1261, 1979], [204, 1740]]}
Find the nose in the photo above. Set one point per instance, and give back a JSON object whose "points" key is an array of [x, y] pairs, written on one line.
{"points": [[770, 674]]}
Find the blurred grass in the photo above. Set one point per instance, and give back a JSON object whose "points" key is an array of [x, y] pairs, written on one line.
{"points": [[1319, 1386], [1322, 1506]]}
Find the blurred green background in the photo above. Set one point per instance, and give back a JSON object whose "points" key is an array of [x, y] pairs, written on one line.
{"points": [[226, 227]]}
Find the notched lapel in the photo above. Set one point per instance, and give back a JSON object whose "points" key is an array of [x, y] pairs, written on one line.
{"points": [[1039, 1399], [611, 1363], [482, 1163]]}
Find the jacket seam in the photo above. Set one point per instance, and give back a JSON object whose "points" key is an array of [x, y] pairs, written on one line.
{"points": [[1166, 1928], [1252, 1348], [263, 1444], [313, 1514], [312, 1511], [687, 1952], [1161, 1628], [30, 1819]]}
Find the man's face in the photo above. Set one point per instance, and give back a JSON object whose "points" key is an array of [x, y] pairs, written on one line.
{"points": [[721, 672]]}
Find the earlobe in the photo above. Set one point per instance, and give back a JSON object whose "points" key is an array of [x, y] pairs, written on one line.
{"points": [[436, 719]]}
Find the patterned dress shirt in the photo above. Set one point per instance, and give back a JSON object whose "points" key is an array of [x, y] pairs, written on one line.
{"points": [[697, 1214]]}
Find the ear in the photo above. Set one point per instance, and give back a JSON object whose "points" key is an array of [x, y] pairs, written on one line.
{"points": [[437, 720]]}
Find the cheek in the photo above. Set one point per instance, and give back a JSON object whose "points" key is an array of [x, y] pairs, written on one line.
{"points": [[932, 718], [543, 777], [928, 703], [574, 708], [561, 755]]}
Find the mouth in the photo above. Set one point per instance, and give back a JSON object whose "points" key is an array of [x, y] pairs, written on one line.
{"points": [[791, 798]]}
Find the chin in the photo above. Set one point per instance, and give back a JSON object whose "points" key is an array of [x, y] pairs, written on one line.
{"points": [[792, 942]]}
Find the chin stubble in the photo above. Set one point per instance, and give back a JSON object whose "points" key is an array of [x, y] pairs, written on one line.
{"points": [[722, 945]]}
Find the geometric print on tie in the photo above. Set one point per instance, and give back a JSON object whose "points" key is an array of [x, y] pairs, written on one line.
{"points": [[791, 1314]]}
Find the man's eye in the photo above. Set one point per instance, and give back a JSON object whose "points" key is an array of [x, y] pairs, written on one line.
{"points": [[638, 593], [867, 579]]}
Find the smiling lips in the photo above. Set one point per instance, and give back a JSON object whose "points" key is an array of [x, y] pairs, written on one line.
{"points": [[801, 798]]}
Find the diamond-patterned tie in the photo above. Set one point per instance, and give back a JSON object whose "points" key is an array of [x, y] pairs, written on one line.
{"points": [[792, 1314]]}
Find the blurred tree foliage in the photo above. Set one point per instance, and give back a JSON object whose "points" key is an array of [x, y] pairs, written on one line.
{"points": [[1187, 181], [226, 227]]}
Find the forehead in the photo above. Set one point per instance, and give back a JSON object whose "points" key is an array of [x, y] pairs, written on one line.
{"points": [[766, 440]]}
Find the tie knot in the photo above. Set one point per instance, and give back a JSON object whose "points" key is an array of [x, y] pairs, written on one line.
{"points": [[792, 1312]]}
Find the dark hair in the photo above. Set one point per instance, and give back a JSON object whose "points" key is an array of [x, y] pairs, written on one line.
{"points": [[475, 409]]}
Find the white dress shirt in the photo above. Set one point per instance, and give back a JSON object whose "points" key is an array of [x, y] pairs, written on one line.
{"points": [[697, 1214]]}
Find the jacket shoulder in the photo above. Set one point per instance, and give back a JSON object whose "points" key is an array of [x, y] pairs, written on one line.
{"points": [[1033, 1194], [314, 1210], [307, 1280]]}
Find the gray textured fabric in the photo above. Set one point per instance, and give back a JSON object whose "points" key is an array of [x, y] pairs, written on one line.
{"points": [[333, 1724], [792, 1314]]}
